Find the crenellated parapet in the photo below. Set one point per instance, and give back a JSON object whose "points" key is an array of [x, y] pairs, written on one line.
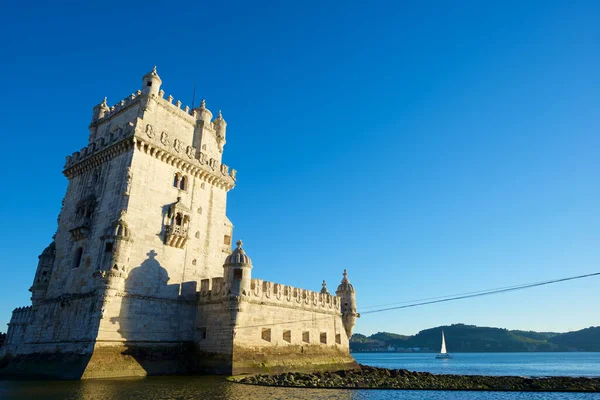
{"points": [[100, 151], [275, 294], [107, 112], [22, 316], [185, 159], [173, 152]]}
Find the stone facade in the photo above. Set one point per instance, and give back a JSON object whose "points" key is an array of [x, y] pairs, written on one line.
{"points": [[140, 278]]}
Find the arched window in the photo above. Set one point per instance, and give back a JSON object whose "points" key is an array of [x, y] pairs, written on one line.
{"points": [[176, 181], [77, 258], [178, 219], [183, 183]]}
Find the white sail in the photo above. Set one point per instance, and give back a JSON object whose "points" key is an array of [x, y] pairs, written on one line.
{"points": [[443, 350]]}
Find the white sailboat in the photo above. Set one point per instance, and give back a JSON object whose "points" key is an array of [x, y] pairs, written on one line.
{"points": [[443, 353]]}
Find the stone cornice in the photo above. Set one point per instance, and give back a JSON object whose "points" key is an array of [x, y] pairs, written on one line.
{"points": [[97, 153], [208, 170], [190, 301]]}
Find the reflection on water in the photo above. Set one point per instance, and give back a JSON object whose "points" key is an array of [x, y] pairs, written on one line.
{"points": [[217, 388]]}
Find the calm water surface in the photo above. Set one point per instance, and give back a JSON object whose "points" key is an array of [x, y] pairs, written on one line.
{"points": [[519, 364], [217, 388]]}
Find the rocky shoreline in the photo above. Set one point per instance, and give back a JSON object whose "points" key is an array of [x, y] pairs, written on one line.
{"points": [[366, 377]]}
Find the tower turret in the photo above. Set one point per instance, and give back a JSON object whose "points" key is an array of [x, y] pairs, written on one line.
{"points": [[99, 111], [204, 113], [220, 129], [238, 267], [116, 247], [42, 275], [151, 83], [348, 297]]}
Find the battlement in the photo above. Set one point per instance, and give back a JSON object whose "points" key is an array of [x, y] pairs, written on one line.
{"points": [[22, 316], [128, 101], [277, 294], [197, 163], [186, 112], [135, 98]]}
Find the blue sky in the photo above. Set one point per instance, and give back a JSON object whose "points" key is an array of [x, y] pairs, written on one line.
{"points": [[430, 148]]}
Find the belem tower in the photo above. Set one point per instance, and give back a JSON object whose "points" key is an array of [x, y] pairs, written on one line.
{"points": [[141, 278]]}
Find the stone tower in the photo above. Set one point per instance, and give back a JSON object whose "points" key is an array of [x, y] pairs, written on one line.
{"points": [[143, 222], [346, 293]]}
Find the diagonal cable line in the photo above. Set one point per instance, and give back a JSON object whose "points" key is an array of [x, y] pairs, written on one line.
{"points": [[484, 293], [456, 295]]}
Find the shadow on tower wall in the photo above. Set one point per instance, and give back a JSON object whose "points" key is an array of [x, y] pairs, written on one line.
{"points": [[156, 320]]}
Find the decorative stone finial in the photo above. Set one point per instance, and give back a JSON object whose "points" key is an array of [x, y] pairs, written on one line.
{"points": [[239, 244], [203, 104], [324, 288], [220, 115], [345, 279], [104, 102], [154, 70]]}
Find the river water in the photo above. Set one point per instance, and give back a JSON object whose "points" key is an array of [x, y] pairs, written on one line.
{"points": [[217, 388]]}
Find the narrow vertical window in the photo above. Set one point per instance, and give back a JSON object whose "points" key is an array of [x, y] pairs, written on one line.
{"points": [[176, 180], [77, 258], [183, 183]]}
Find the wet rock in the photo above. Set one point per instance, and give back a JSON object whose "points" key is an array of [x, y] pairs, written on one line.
{"points": [[375, 378]]}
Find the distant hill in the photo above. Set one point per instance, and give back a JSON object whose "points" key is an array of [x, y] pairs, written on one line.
{"points": [[588, 339], [471, 338]]}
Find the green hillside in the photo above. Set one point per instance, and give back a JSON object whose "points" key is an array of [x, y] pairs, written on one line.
{"points": [[588, 339], [471, 338]]}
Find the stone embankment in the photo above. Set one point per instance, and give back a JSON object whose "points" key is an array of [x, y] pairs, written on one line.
{"points": [[381, 378]]}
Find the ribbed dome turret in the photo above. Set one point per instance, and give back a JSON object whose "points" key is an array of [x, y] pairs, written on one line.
{"points": [[345, 286], [118, 228], [238, 257], [204, 113]]}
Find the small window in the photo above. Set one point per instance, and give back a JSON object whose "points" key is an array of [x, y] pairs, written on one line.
{"points": [[176, 180], [202, 186], [324, 337], [149, 84], [77, 258], [194, 261], [108, 247], [338, 338], [44, 273], [266, 334], [306, 337], [197, 235], [203, 147], [178, 219], [227, 240], [199, 210], [202, 333], [183, 183], [287, 336], [238, 274]]}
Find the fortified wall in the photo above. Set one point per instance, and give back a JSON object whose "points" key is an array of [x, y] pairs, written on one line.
{"points": [[140, 278]]}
